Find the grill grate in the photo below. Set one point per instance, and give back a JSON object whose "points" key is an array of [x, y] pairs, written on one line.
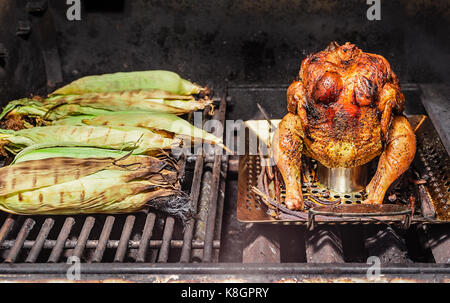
{"points": [[142, 237]]}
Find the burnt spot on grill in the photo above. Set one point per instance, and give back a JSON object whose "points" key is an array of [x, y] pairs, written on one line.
{"points": [[20, 197], [41, 198], [61, 197], [34, 181], [82, 195]]}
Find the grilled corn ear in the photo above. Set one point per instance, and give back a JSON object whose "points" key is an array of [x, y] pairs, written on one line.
{"points": [[64, 185], [39, 152], [152, 121], [147, 101], [143, 80], [118, 137], [34, 174], [89, 194]]}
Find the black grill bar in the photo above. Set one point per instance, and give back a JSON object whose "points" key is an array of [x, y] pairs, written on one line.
{"points": [[124, 238], [220, 205], [21, 237], [62, 237], [282, 269], [195, 193], [212, 209], [6, 227], [167, 236], [146, 236], [83, 237], [170, 222], [104, 237], [39, 243], [110, 244]]}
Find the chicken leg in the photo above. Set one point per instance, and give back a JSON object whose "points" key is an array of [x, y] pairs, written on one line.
{"points": [[287, 153], [394, 160]]}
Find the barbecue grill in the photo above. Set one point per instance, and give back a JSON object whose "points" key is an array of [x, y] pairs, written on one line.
{"points": [[246, 53]]}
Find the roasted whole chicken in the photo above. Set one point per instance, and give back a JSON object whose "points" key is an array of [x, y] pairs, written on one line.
{"points": [[345, 109]]}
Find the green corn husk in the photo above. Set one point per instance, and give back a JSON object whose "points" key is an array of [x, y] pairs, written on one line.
{"points": [[143, 80], [25, 106], [147, 101], [57, 107], [153, 121], [119, 137], [79, 152], [18, 113], [91, 185]]}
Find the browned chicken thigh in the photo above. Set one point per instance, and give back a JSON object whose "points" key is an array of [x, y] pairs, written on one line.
{"points": [[344, 110]]}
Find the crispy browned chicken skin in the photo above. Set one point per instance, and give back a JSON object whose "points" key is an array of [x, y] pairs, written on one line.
{"points": [[345, 110]]}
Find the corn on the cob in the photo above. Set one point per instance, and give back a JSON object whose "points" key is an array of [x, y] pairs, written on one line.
{"points": [[118, 137], [143, 80], [32, 174], [152, 121], [18, 114], [57, 107], [38, 153], [107, 190], [148, 101], [66, 185]]}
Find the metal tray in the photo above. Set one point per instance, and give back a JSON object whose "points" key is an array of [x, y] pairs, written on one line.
{"points": [[432, 199]]}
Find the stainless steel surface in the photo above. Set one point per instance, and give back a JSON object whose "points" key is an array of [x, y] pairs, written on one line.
{"points": [[343, 180], [436, 100], [433, 164]]}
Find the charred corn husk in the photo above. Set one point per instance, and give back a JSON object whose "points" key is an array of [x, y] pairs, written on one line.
{"points": [[79, 152], [57, 107], [64, 185], [143, 80], [118, 137], [152, 121], [146, 101], [32, 174]]}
